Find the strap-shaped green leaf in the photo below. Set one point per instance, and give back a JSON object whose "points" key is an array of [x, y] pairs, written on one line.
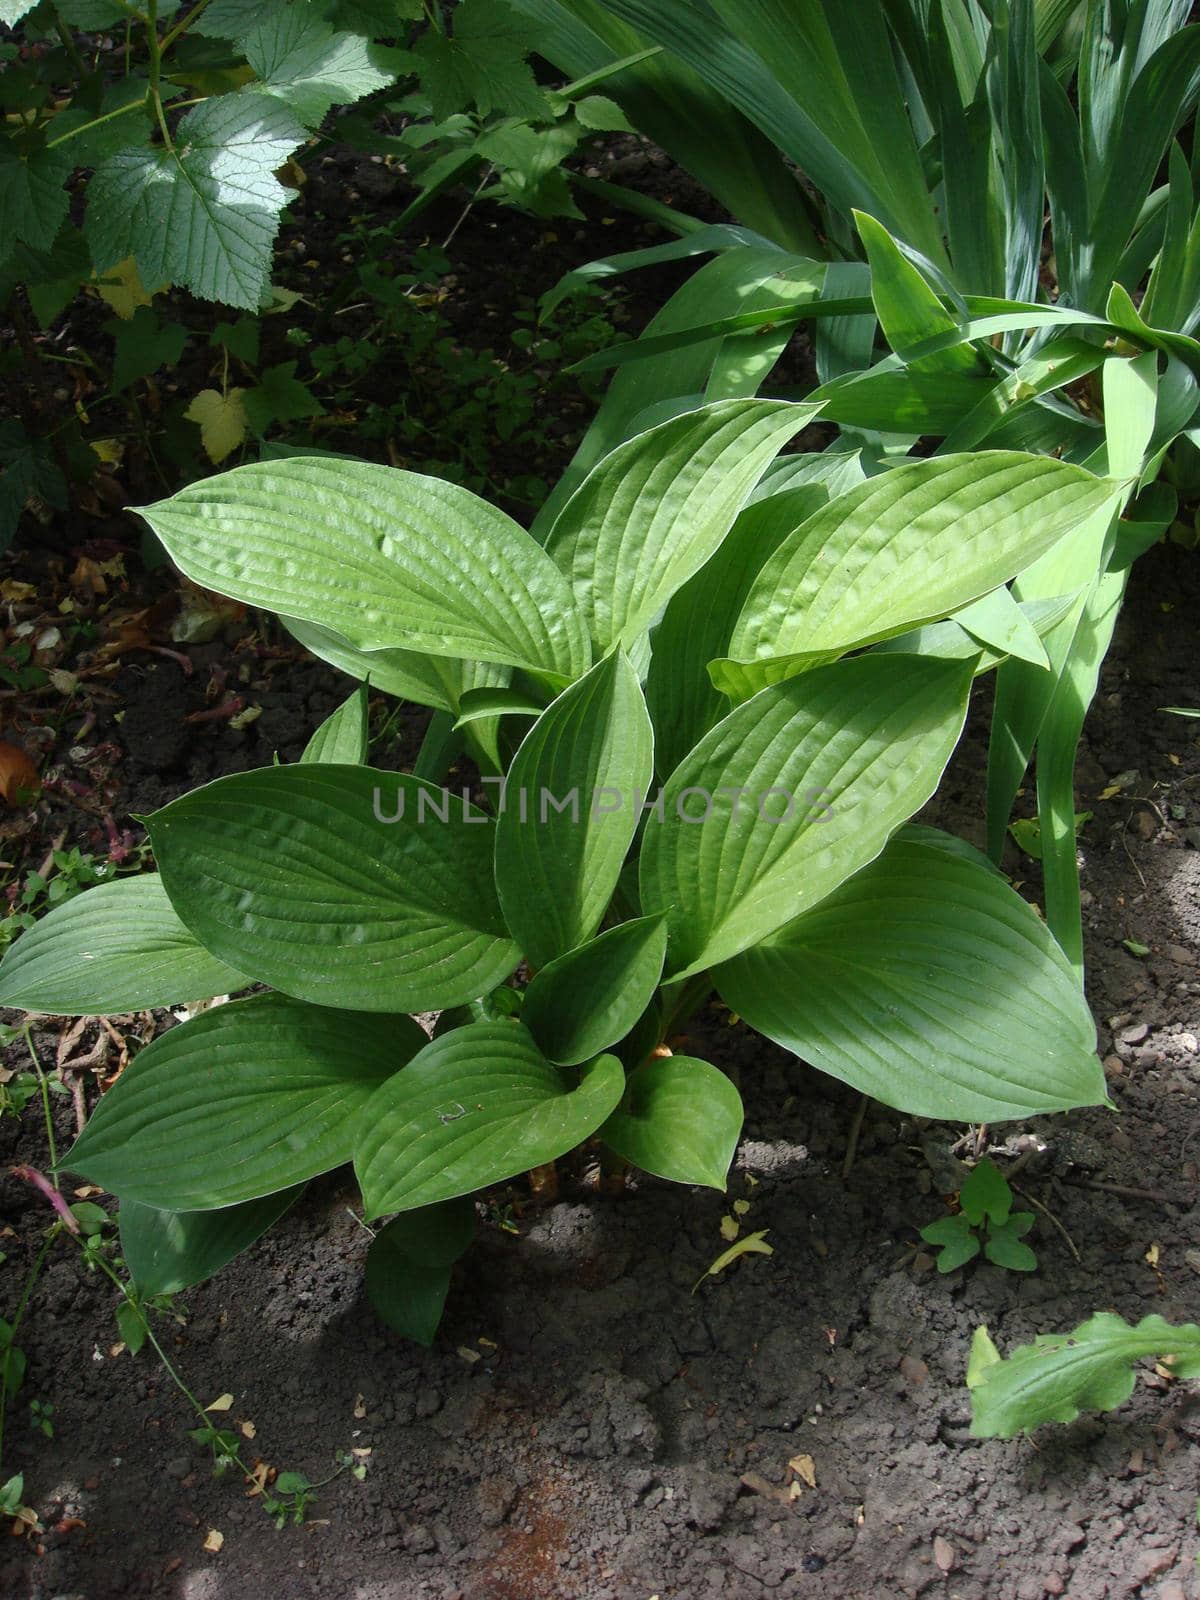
{"points": [[655, 509], [478, 1105], [240, 1102], [928, 983], [907, 548], [907, 308], [571, 804], [340, 885], [118, 947], [795, 790], [383, 557], [589, 999], [342, 737], [680, 1119], [167, 1251]]}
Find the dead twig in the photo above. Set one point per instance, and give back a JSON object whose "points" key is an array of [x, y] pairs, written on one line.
{"points": [[1046, 1212]]}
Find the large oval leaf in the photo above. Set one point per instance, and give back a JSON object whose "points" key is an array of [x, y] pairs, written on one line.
{"points": [[478, 1105], [301, 874], [908, 547], [927, 983], [118, 947], [383, 557], [166, 1251], [680, 1120], [651, 512], [240, 1102], [571, 806], [790, 794], [589, 999]]}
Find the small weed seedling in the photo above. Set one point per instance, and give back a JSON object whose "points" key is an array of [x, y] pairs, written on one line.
{"points": [[984, 1222]]}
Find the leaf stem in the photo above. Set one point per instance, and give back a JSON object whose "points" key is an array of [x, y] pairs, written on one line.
{"points": [[183, 25], [86, 127], [155, 71], [45, 1088]]}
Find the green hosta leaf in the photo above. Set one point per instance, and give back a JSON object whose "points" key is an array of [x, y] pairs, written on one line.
{"points": [[654, 510], [790, 794], [475, 704], [342, 737], [204, 214], [167, 1251], [118, 947], [33, 201], [478, 1105], [409, 1262], [437, 681], [240, 1102], [680, 1119], [927, 983], [589, 999], [301, 871], [905, 548], [698, 621], [1061, 1374], [571, 805], [382, 557], [142, 345], [482, 63], [998, 622], [308, 66]]}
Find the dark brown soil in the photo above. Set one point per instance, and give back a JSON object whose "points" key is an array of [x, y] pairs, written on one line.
{"points": [[589, 1428]]}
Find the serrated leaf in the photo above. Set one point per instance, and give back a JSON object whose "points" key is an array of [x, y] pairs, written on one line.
{"points": [[143, 344], [653, 511], [11, 12], [340, 885], [290, 1080], [791, 793], [680, 1119], [476, 1106], [117, 947], [382, 557], [571, 805], [1059, 1375], [482, 63], [588, 1000], [167, 1251], [928, 983], [279, 396], [602, 115], [121, 288], [221, 419], [204, 214], [304, 63], [409, 1262], [33, 200], [342, 737]]}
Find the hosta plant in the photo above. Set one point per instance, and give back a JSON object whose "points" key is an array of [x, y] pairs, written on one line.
{"points": [[635, 838]]}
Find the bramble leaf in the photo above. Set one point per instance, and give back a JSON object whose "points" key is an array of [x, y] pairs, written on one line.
{"points": [[308, 66], [222, 421], [483, 63]]}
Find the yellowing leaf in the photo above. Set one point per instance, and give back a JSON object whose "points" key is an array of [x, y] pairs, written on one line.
{"points": [[740, 1207], [124, 290], [752, 1244], [222, 420], [248, 1430], [805, 1467], [983, 1355], [1152, 1255], [213, 1540], [221, 1403], [729, 1229]]}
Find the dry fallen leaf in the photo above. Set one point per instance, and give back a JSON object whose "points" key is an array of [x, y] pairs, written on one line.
{"points": [[805, 1467], [752, 1244], [213, 1540], [1152, 1255], [729, 1229], [469, 1356], [221, 1403], [360, 1407], [19, 780], [248, 1430]]}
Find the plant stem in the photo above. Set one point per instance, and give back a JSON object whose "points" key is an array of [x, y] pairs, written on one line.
{"points": [[68, 43], [86, 127], [26, 1292], [45, 1088], [183, 25], [155, 72]]}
